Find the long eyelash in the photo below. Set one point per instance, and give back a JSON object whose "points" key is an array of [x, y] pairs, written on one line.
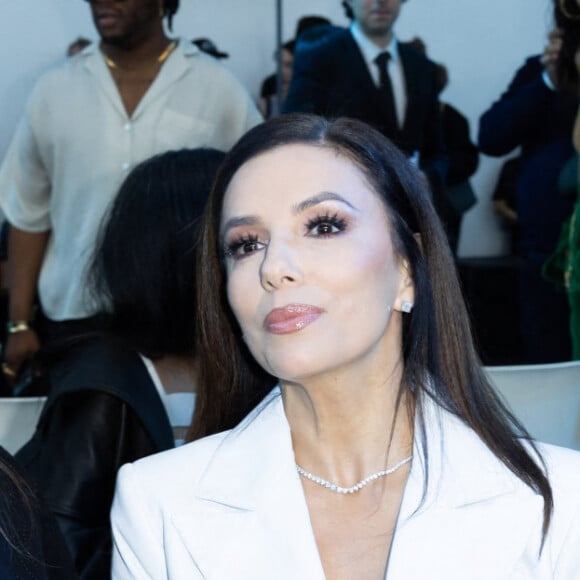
{"points": [[327, 218], [232, 247]]}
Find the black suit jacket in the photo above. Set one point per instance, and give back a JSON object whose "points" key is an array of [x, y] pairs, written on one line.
{"points": [[331, 78]]}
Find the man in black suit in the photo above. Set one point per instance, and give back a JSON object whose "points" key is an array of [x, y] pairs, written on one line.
{"points": [[344, 74]]}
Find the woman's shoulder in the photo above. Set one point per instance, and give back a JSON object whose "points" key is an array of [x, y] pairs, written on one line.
{"points": [[175, 472], [189, 459], [168, 480], [563, 467]]}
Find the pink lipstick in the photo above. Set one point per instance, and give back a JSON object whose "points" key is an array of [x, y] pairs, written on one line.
{"points": [[291, 318]]}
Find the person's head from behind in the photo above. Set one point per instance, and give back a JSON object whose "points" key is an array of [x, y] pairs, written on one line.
{"points": [[126, 23], [320, 235], [144, 264]]}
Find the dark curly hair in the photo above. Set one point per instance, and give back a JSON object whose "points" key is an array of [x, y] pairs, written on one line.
{"points": [[170, 8]]}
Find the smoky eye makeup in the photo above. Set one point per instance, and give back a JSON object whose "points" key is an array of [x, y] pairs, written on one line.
{"points": [[326, 224], [238, 246]]}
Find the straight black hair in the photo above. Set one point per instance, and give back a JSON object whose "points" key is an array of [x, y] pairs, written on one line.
{"points": [[143, 269]]}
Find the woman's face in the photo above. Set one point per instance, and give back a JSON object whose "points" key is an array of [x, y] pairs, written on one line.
{"points": [[312, 276]]}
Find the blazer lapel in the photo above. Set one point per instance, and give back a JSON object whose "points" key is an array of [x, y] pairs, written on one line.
{"points": [[469, 514], [245, 529]]}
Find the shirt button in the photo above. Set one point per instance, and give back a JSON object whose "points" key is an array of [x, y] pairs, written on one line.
{"points": [[126, 166], [127, 126]]}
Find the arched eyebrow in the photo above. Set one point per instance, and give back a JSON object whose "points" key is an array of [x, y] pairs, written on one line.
{"points": [[252, 220], [319, 198], [235, 222]]}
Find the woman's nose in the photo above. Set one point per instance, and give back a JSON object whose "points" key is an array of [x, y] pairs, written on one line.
{"points": [[280, 266]]}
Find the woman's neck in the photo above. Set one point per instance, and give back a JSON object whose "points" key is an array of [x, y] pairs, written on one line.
{"points": [[343, 431]]}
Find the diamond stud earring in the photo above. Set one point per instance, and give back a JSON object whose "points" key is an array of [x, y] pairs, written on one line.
{"points": [[406, 306]]}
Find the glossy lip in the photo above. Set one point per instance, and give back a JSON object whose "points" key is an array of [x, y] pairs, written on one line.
{"points": [[291, 318]]}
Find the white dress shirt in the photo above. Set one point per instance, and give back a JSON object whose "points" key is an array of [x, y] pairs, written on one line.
{"points": [[179, 406]]}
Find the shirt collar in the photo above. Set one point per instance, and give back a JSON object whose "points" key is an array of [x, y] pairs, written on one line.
{"points": [[369, 49]]}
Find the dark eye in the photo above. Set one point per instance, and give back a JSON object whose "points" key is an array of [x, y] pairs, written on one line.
{"points": [[325, 229], [242, 247], [325, 225]]}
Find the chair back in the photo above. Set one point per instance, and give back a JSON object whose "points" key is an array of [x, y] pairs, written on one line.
{"points": [[545, 398], [18, 418]]}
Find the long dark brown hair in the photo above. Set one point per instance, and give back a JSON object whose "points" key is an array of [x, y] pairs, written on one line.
{"points": [[440, 361]]}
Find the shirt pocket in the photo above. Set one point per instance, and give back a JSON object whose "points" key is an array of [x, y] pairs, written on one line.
{"points": [[177, 130]]}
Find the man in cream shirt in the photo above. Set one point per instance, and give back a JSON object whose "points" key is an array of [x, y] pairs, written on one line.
{"points": [[87, 123]]}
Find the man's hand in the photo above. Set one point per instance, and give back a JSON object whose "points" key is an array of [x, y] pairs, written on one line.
{"points": [[551, 55], [19, 347]]}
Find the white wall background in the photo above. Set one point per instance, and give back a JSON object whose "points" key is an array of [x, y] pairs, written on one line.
{"points": [[481, 42]]}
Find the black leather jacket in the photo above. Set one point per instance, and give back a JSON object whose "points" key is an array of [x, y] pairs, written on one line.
{"points": [[103, 410], [31, 546]]}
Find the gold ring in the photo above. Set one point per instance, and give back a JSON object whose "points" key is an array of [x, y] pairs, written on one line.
{"points": [[7, 370]]}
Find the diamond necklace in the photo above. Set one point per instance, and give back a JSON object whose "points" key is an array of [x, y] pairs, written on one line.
{"points": [[357, 486]]}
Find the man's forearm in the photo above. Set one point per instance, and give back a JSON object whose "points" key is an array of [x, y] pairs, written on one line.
{"points": [[26, 252]]}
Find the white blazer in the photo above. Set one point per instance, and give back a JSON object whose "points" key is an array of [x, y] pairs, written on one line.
{"points": [[231, 507]]}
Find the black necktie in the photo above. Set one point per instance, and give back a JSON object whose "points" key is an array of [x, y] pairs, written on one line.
{"points": [[386, 90]]}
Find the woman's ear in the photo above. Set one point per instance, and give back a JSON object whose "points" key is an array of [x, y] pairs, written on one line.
{"points": [[406, 294]]}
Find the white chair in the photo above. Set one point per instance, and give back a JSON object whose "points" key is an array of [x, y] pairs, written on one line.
{"points": [[545, 398], [18, 418]]}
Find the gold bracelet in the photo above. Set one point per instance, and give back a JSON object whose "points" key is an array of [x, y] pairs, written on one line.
{"points": [[17, 326]]}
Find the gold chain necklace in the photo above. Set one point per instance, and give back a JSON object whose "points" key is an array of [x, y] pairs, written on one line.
{"points": [[160, 59]]}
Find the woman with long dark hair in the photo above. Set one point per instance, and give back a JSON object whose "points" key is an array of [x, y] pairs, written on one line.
{"points": [[129, 390], [379, 448]]}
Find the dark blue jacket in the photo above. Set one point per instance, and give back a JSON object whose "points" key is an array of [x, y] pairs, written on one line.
{"points": [[540, 121]]}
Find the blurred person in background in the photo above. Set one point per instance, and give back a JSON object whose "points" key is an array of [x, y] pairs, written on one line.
{"points": [[316, 27], [536, 113], [563, 267], [129, 390], [364, 72], [462, 156], [133, 94]]}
